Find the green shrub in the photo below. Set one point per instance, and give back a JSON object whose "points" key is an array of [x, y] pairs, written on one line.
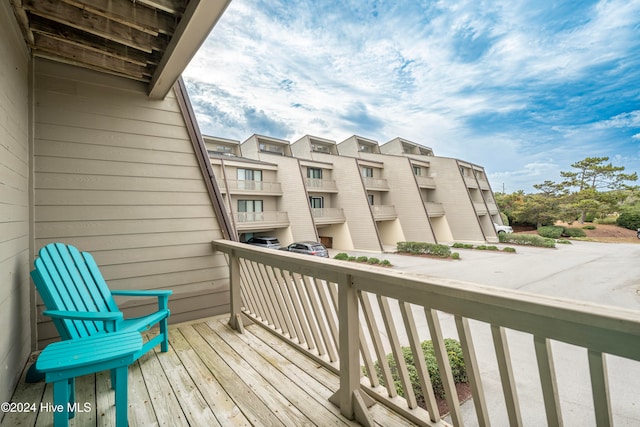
{"points": [[589, 227], [630, 220], [456, 360], [351, 258], [551, 231], [457, 245], [563, 241], [481, 247], [468, 246], [455, 255], [574, 232], [385, 262], [362, 259], [342, 256], [492, 248], [509, 249], [526, 239], [373, 260], [419, 248]]}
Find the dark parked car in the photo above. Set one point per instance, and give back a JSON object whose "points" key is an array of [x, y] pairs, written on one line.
{"points": [[265, 242], [309, 248]]}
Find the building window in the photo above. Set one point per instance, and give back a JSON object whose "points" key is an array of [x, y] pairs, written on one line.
{"points": [[320, 148], [367, 172], [314, 173], [316, 202], [462, 171], [370, 197], [249, 205], [366, 148], [249, 175], [417, 170]]}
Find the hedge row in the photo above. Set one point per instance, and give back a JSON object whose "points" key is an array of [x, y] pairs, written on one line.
{"points": [[346, 257], [557, 231], [423, 248], [527, 240]]}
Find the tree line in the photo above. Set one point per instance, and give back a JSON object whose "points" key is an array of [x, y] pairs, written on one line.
{"points": [[594, 188]]}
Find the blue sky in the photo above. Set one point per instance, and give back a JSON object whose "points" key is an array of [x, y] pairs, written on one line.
{"points": [[523, 88]]}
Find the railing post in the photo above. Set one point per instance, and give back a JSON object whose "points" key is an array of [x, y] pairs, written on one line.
{"points": [[349, 398], [235, 295]]}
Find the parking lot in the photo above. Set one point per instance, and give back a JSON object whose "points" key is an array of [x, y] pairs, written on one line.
{"points": [[602, 273]]}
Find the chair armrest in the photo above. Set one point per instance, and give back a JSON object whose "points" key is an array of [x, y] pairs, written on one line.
{"points": [[163, 295], [84, 315], [150, 293]]}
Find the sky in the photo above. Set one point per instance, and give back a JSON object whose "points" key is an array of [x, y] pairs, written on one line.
{"points": [[522, 88]]}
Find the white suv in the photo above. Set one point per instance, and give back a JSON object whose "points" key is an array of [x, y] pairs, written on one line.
{"points": [[502, 228]]}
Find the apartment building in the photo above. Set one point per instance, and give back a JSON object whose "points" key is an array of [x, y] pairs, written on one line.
{"points": [[352, 195]]}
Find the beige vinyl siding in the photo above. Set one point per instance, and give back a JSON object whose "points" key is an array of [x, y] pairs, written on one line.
{"points": [[116, 175], [352, 198], [404, 194], [294, 198], [15, 290], [451, 190]]}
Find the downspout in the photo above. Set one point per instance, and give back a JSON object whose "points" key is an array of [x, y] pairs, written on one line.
{"points": [[203, 160]]}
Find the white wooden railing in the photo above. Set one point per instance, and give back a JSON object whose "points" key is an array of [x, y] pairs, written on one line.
{"points": [[348, 316]]}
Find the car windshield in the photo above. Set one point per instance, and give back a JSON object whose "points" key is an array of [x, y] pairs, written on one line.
{"points": [[317, 248]]}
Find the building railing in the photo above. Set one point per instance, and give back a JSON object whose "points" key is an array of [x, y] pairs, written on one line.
{"points": [[481, 208], [248, 220], [470, 181], [425, 181], [317, 184], [384, 212], [327, 215], [349, 317], [248, 186], [375, 183], [434, 208]]}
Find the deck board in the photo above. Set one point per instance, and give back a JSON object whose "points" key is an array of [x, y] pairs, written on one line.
{"points": [[212, 376]]}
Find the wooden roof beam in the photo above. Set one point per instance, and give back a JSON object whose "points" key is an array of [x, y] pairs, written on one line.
{"points": [[197, 22]]}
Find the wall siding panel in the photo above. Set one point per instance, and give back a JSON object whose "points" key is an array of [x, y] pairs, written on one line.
{"points": [[116, 175], [15, 290]]}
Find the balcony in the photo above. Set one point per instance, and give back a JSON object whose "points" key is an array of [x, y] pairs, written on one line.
{"points": [[434, 208], [260, 220], [316, 323], [480, 207], [348, 317], [375, 184], [470, 181], [493, 208], [321, 185], [384, 212], [251, 187], [425, 182], [484, 184], [323, 216]]}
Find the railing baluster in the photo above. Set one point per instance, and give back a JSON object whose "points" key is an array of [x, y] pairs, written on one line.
{"points": [[451, 394], [419, 362], [473, 371], [320, 319], [267, 290], [274, 294], [329, 314], [250, 285], [401, 365], [260, 286], [377, 344], [304, 299], [600, 388], [548, 380], [506, 375], [292, 321], [300, 315]]}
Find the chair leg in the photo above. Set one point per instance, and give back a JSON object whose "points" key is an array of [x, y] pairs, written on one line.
{"points": [[164, 330], [122, 405], [61, 403], [72, 396]]}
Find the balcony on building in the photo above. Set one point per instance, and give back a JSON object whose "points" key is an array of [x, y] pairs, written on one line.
{"points": [[375, 184], [261, 220], [426, 181], [319, 185], [322, 216], [251, 187], [480, 207], [384, 212], [434, 208]]}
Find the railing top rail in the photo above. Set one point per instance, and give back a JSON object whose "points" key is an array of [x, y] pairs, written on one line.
{"points": [[610, 330]]}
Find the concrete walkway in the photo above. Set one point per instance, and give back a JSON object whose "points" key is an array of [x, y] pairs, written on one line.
{"points": [[601, 273]]}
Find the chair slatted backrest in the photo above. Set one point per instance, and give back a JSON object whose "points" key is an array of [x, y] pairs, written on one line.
{"points": [[68, 280]]}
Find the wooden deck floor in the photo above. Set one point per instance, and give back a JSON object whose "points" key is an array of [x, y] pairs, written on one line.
{"points": [[212, 376]]}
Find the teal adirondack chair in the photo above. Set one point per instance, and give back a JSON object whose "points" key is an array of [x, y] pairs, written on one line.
{"points": [[80, 303]]}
